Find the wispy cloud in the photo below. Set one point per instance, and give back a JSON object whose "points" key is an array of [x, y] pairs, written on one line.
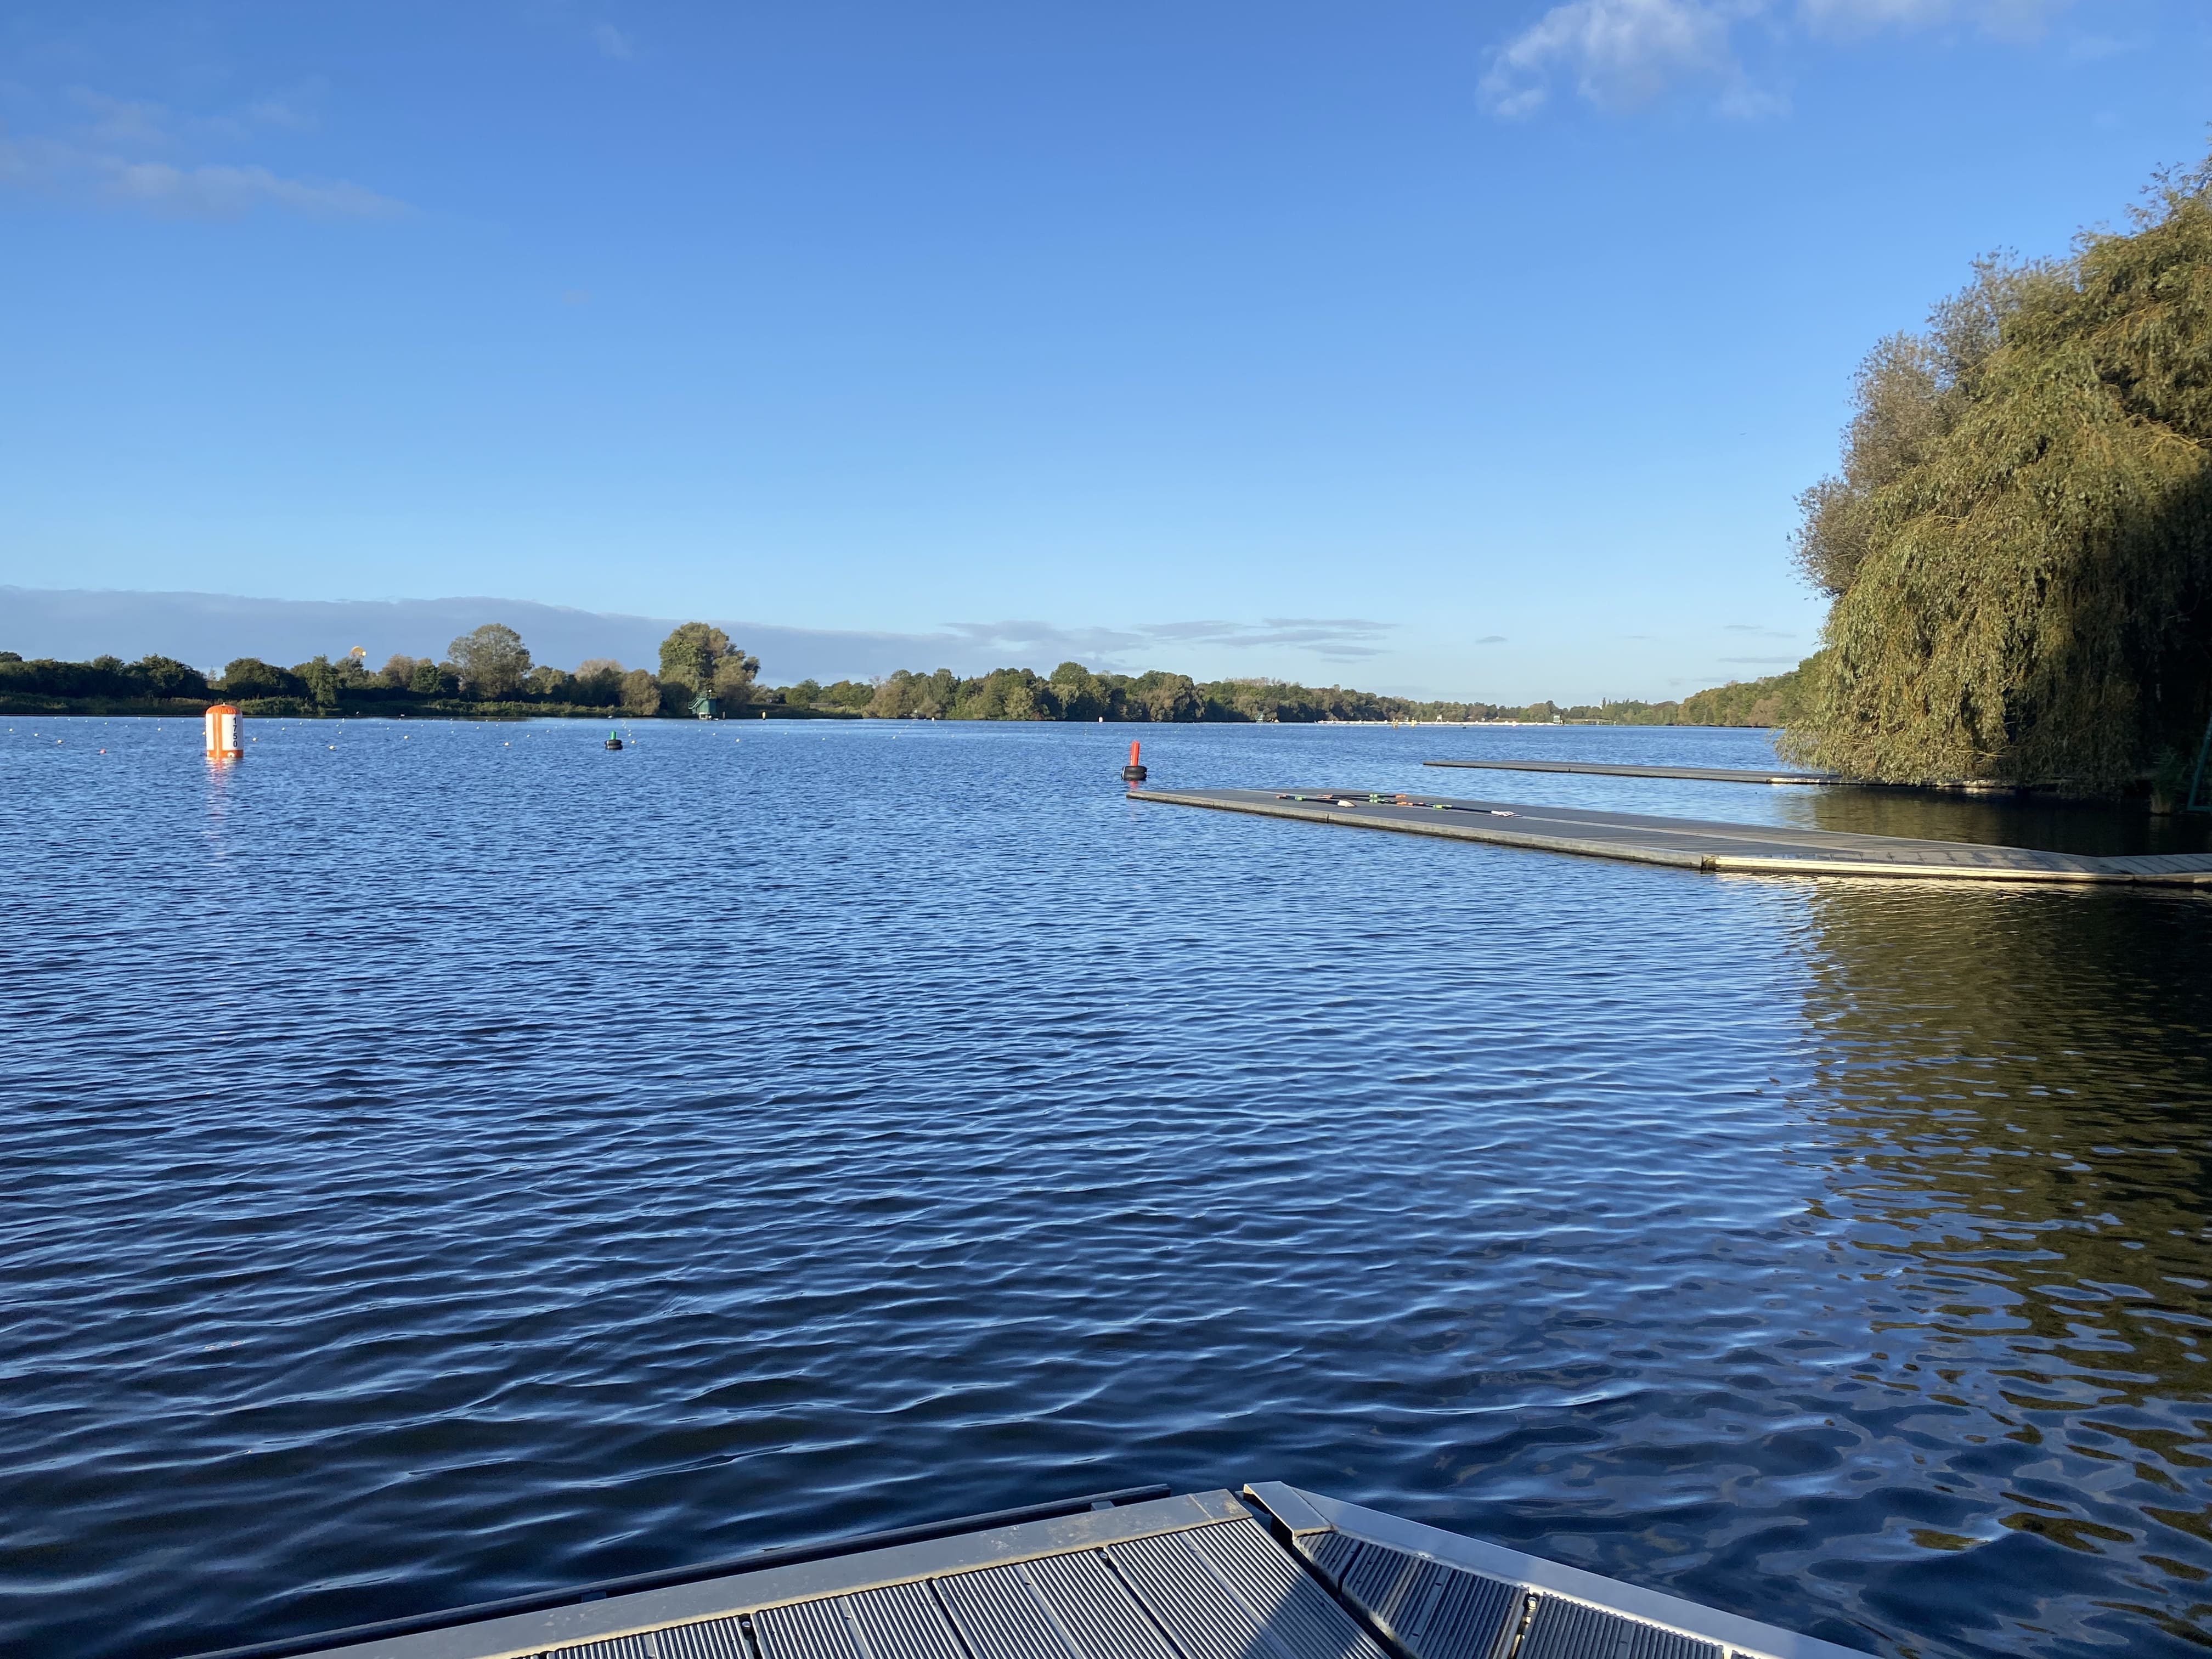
{"points": [[1787, 662], [139, 154], [1492, 639], [1621, 55], [2007, 19], [613, 43], [1754, 628], [1343, 639], [217, 192]]}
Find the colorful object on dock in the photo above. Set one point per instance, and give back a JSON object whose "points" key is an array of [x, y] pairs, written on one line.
{"points": [[1599, 768], [1714, 848], [1271, 1572], [1132, 773], [223, 739]]}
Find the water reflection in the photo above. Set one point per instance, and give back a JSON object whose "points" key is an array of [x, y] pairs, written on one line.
{"points": [[2015, 1086], [2055, 826]]}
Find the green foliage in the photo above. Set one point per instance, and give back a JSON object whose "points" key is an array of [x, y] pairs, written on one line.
{"points": [[1778, 699], [545, 684], [320, 677], [696, 660], [846, 696], [104, 678], [491, 661], [2020, 545], [599, 682], [641, 693], [250, 677], [164, 677]]}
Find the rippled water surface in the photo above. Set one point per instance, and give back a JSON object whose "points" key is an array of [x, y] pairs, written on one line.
{"points": [[446, 1160]]}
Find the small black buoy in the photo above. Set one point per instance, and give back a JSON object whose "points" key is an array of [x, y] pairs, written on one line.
{"points": [[1132, 773], [613, 742]]}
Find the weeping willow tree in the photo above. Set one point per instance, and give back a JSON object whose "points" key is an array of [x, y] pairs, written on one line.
{"points": [[2019, 544]]}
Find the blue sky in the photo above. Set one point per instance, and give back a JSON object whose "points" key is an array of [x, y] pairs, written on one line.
{"points": [[1472, 349]]}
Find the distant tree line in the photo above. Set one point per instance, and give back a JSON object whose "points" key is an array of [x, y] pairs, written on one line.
{"points": [[489, 672]]}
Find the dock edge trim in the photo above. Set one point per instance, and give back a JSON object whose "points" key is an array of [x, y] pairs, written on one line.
{"points": [[1749, 1637]]}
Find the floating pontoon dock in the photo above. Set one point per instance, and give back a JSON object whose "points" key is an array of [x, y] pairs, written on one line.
{"points": [[1694, 843], [1272, 1573], [1697, 774]]}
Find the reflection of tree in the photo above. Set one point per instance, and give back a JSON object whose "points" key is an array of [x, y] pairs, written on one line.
{"points": [[2016, 1096], [2057, 826]]}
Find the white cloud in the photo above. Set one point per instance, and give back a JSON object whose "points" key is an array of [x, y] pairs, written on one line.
{"points": [[123, 122], [1343, 639], [139, 154], [1621, 54], [217, 192], [612, 42]]}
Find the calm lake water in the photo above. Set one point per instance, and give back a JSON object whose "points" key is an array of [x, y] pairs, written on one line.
{"points": [[446, 1160]]}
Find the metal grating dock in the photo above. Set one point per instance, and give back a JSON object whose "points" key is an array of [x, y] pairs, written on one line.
{"points": [[1276, 1573]]}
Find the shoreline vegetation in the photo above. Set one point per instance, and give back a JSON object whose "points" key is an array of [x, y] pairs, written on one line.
{"points": [[2017, 547], [489, 674]]}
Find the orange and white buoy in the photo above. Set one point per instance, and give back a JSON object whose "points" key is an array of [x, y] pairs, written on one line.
{"points": [[223, 742]]}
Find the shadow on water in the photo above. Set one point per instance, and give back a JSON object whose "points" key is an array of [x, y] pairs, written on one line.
{"points": [[2040, 821], [2016, 1092]]}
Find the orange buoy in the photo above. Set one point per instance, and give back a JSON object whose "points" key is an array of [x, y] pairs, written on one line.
{"points": [[223, 742], [1134, 773]]}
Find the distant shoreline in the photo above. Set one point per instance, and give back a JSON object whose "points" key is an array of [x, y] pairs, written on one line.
{"points": [[193, 708]]}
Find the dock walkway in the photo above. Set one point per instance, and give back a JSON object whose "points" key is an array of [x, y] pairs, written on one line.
{"points": [[1598, 769], [1271, 1573], [1695, 843]]}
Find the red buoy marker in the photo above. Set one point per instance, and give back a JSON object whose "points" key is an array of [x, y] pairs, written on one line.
{"points": [[1132, 773]]}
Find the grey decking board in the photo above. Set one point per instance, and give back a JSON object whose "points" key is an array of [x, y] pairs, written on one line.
{"points": [[1699, 844], [1696, 774], [903, 1621], [1186, 1599], [806, 1630], [1468, 1615], [1219, 1598], [1286, 1600], [709, 1639], [1094, 1606], [1394, 1589], [623, 1647], [1431, 1611], [1332, 1553], [999, 1615], [1574, 1630]]}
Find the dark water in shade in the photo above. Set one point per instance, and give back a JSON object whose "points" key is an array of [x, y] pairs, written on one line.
{"points": [[460, 1161]]}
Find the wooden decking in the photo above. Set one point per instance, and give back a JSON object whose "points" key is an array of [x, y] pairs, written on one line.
{"points": [[1694, 843], [1269, 1573]]}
